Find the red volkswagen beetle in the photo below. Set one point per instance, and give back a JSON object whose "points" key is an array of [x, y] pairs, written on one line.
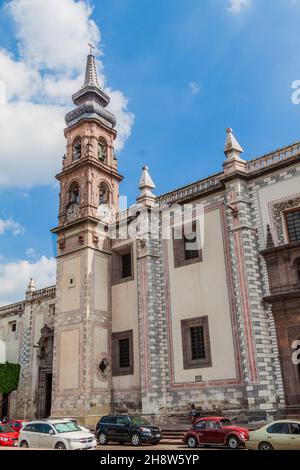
{"points": [[8, 437], [216, 431]]}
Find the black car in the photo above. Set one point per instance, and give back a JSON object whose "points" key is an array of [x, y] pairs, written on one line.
{"points": [[133, 429]]}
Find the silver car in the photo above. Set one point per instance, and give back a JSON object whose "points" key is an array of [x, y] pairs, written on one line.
{"points": [[56, 434]]}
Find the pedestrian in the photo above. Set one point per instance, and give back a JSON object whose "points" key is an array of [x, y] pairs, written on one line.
{"points": [[193, 413]]}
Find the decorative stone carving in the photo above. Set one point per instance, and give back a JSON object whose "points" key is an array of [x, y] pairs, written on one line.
{"points": [[45, 344], [276, 209]]}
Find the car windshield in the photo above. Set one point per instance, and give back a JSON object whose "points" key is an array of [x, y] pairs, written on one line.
{"points": [[69, 426], [139, 421], [6, 429], [226, 422]]}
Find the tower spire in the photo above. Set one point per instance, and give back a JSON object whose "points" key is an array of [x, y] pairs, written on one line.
{"points": [[90, 100], [91, 78]]}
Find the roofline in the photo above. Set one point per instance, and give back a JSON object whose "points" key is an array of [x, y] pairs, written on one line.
{"points": [[268, 162]]}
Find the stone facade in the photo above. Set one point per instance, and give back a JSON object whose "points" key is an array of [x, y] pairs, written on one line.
{"points": [[231, 282], [283, 264]]}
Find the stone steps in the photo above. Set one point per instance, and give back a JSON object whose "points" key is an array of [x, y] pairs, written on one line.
{"points": [[172, 436]]}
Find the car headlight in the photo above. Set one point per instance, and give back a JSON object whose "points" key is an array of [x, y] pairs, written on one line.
{"points": [[243, 436], [146, 430]]}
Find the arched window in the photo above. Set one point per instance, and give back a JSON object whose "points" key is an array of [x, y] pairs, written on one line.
{"points": [[102, 149], [76, 150], [74, 193], [103, 193]]}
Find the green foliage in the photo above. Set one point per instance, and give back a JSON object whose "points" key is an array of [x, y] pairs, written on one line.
{"points": [[9, 377]]}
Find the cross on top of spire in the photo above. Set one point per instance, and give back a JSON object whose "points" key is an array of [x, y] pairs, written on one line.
{"points": [[92, 47]]}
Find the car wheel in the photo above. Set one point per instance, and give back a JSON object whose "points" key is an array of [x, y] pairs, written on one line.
{"points": [[24, 444], [265, 446], [233, 442], [102, 438], [191, 442], [60, 446], [135, 439]]}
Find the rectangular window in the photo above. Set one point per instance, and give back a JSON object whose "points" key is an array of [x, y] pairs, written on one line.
{"points": [[189, 253], [122, 353], [122, 264], [185, 246], [293, 225], [52, 309], [195, 343], [12, 326], [126, 265]]}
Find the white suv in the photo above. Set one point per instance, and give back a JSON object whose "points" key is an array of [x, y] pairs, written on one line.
{"points": [[56, 434]]}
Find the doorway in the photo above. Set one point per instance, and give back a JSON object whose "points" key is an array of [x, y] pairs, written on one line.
{"points": [[48, 395], [4, 406]]}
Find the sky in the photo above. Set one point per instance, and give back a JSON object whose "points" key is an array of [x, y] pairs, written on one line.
{"points": [[179, 72]]}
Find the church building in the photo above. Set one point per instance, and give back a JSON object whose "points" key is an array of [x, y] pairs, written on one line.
{"points": [[148, 323]]}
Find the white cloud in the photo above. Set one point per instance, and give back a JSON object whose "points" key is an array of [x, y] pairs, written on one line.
{"points": [[32, 143], [9, 225], [125, 119], [195, 88], [39, 86], [235, 6], [54, 34], [21, 81], [14, 277]]}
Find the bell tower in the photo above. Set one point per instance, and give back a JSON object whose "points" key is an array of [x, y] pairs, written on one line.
{"points": [[89, 194]]}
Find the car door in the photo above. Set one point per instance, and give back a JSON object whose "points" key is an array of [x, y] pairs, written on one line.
{"points": [[295, 436], [199, 429], [31, 434], [213, 433], [111, 428], [46, 438], [123, 427], [278, 435]]}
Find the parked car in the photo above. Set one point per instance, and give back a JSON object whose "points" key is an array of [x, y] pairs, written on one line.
{"points": [[279, 435], [8, 437], [216, 431], [16, 424], [56, 434], [76, 422], [133, 429]]}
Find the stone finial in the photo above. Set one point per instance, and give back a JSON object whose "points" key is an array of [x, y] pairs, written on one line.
{"points": [[233, 163], [232, 147], [269, 242], [31, 287], [146, 186]]}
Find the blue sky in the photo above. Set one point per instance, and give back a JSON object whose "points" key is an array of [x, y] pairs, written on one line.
{"points": [[181, 71]]}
